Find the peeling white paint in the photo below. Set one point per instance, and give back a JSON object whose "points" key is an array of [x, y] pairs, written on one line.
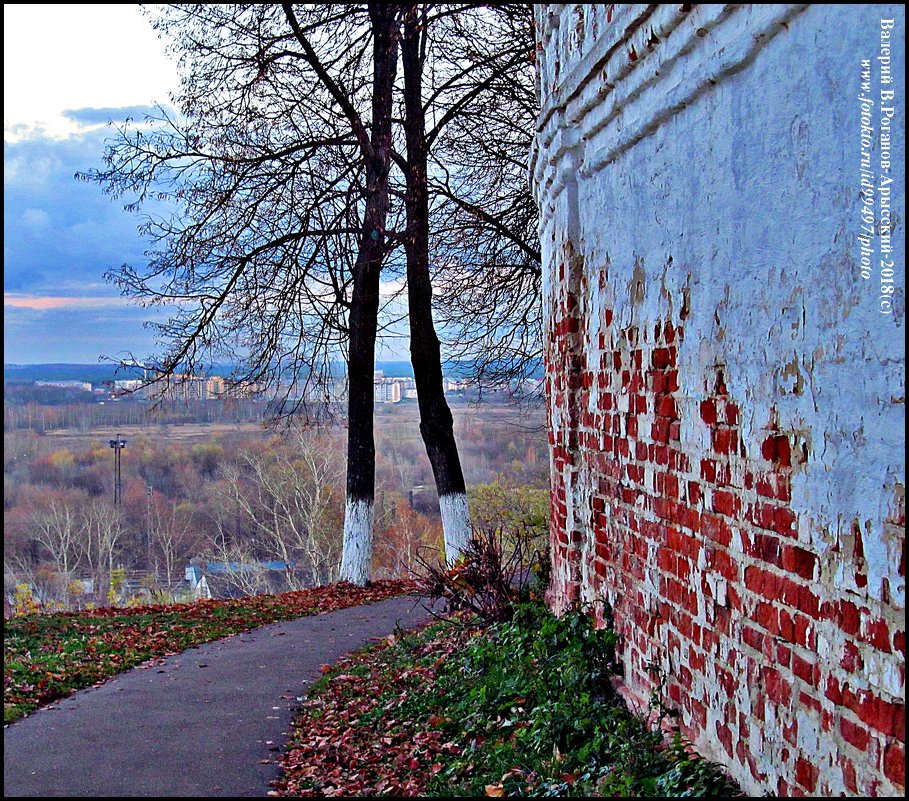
{"points": [[714, 170], [455, 525], [356, 555]]}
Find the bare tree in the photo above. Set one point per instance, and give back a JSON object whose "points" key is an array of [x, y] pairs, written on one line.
{"points": [[99, 537], [241, 571], [283, 193], [170, 534], [473, 55], [57, 528], [484, 236], [286, 502], [279, 163], [436, 422]]}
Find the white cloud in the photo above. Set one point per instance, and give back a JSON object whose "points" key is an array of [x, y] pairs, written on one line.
{"points": [[90, 56], [36, 218]]}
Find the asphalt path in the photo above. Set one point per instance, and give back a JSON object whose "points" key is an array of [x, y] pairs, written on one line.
{"points": [[210, 721]]}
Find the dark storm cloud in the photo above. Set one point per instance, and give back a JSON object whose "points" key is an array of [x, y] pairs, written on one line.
{"points": [[60, 236], [77, 334]]}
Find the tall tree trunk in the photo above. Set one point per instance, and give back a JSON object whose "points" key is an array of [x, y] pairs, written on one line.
{"points": [[356, 557], [436, 423]]}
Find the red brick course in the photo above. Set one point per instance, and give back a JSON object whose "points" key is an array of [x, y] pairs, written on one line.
{"points": [[662, 506]]}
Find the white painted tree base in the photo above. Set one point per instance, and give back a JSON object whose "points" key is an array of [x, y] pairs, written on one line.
{"points": [[356, 555], [455, 525]]}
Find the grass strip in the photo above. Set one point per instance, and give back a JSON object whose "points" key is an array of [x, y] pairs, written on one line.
{"points": [[49, 656], [521, 708]]}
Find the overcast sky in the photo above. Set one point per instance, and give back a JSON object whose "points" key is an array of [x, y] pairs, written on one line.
{"points": [[94, 63]]}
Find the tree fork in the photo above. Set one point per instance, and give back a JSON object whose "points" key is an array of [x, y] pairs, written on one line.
{"points": [[436, 422]]}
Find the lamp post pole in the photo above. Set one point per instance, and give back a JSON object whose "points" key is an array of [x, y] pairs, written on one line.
{"points": [[118, 445]]}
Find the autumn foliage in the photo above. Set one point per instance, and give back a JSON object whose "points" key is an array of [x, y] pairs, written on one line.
{"points": [[524, 707], [47, 657]]}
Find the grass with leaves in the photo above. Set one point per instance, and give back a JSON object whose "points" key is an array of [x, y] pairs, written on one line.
{"points": [[49, 656], [524, 707]]}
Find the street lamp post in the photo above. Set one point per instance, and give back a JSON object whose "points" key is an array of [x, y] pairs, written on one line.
{"points": [[118, 445]]}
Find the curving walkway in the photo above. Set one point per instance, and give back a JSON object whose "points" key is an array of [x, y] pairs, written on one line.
{"points": [[207, 722]]}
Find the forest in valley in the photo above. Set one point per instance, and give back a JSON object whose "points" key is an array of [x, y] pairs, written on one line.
{"points": [[251, 507]]}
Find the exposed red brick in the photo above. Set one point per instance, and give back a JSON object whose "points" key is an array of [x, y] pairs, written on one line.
{"points": [[724, 440], [849, 777], [765, 488], [662, 357], [785, 522], [725, 503], [776, 686], [783, 452], [884, 716], [760, 627], [854, 734], [852, 658], [805, 670], [799, 561], [754, 638], [877, 632], [847, 617], [666, 407], [806, 774], [895, 763], [833, 691], [809, 701]]}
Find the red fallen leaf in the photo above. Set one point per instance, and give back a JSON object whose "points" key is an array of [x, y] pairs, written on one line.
{"points": [[435, 767], [495, 790], [325, 669], [413, 763]]}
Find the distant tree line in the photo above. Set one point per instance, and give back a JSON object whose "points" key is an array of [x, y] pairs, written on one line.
{"points": [[242, 499]]}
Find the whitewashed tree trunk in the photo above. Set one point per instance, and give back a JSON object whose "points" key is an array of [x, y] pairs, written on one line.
{"points": [[455, 525], [436, 422], [356, 557]]}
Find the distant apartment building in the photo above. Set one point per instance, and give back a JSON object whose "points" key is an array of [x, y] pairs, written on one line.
{"points": [[387, 390], [129, 387], [214, 387], [185, 388], [84, 386], [455, 385]]}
